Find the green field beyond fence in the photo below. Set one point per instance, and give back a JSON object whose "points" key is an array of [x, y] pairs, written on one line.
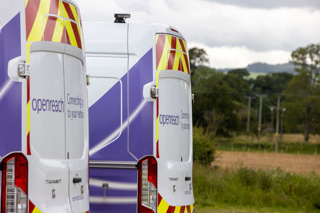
{"points": [[249, 144]]}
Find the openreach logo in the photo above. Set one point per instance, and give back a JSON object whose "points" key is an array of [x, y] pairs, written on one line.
{"points": [[169, 119], [46, 105], [175, 120]]}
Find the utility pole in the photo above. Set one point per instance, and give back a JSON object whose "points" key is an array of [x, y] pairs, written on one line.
{"points": [[260, 115], [248, 118], [272, 108], [281, 129], [277, 125]]}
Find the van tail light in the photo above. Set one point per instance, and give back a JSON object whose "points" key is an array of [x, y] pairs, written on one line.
{"points": [[147, 197], [14, 189]]}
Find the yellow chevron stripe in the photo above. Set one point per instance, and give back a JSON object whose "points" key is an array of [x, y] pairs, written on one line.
{"points": [[58, 29], [70, 32], [184, 64], [76, 17], [191, 207], [176, 61], [28, 52], [163, 207], [181, 56], [177, 209], [25, 3], [39, 24], [157, 128], [163, 64], [28, 117], [36, 210], [157, 85]]}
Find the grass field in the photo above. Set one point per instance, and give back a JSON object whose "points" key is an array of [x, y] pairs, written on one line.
{"points": [[247, 182], [294, 163], [248, 176]]}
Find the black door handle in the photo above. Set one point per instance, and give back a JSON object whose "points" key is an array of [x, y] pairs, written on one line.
{"points": [[77, 180], [187, 178]]}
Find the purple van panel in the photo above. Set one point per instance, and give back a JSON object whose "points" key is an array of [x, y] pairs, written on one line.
{"points": [[113, 208], [114, 175], [104, 116], [103, 121], [10, 102], [141, 128]]}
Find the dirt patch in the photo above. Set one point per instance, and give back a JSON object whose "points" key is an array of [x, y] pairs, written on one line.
{"points": [[288, 162]]}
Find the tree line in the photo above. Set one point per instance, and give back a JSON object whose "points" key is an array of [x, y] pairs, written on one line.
{"points": [[221, 99]]}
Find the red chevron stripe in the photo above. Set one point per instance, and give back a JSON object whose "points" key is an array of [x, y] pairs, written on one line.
{"points": [[171, 59], [172, 53], [67, 38], [74, 26], [171, 209], [51, 23], [174, 42], [182, 209], [182, 45], [158, 149], [187, 63], [188, 209], [28, 89], [28, 144], [63, 39], [31, 207], [159, 199], [31, 14], [159, 48], [180, 68]]}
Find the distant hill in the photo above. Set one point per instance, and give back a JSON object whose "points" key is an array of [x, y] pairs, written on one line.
{"points": [[264, 68]]}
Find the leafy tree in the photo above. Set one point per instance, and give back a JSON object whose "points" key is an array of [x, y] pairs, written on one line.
{"points": [[242, 73], [303, 103], [214, 107], [197, 57], [238, 86], [272, 82]]}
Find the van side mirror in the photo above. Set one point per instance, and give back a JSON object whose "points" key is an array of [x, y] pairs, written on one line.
{"points": [[17, 69]]}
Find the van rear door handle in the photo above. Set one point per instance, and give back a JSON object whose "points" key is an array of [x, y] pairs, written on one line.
{"points": [[77, 180], [187, 178]]}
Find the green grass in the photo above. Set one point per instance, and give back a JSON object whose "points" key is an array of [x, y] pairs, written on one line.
{"points": [[255, 190]]}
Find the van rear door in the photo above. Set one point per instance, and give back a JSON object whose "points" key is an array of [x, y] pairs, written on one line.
{"points": [[174, 124], [57, 130], [175, 139]]}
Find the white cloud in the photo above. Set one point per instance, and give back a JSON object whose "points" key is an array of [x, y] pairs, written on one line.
{"points": [[267, 33], [240, 56]]}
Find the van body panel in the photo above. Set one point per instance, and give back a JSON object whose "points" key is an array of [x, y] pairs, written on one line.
{"points": [[10, 92]]}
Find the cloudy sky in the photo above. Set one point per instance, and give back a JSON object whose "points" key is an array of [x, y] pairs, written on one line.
{"points": [[234, 33]]}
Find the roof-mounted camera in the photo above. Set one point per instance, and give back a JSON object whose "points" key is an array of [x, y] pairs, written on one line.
{"points": [[121, 18]]}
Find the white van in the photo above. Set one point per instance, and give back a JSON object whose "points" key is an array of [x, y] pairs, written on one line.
{"points": [[139, 117], [43, 108]]}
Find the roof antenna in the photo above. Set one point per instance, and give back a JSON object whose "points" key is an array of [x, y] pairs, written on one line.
{"points": [[121, 18]]}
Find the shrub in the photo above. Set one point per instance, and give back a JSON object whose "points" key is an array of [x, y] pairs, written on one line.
{"points": [[203, 146]]}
